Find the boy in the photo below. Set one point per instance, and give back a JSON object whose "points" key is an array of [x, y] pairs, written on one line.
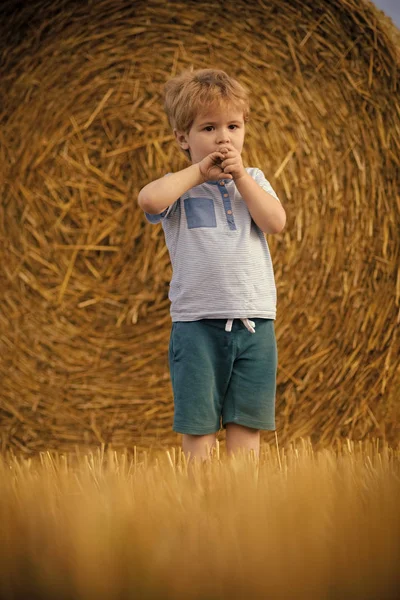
{"points": [[214, 214]]}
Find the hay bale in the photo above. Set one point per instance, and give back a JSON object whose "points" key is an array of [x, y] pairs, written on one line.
{"points": [[84, 306]]}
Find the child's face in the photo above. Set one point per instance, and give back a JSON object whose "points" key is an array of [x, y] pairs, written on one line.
{"points": [[213, 130]]}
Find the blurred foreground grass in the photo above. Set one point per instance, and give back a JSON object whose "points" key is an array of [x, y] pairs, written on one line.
{"points": [[113, 525]]}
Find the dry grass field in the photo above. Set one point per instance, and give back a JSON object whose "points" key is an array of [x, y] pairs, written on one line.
{"points": [[296, 523]]}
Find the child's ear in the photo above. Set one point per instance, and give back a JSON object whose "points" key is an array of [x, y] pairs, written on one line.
{"points": [[181, 138]]}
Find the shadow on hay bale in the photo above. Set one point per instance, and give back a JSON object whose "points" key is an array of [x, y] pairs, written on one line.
{"points": [[84, 303]]}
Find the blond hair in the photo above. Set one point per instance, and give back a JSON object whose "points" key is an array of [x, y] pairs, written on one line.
{"points": [[192, 92]]}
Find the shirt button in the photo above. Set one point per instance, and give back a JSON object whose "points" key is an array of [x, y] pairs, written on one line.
{"points": [[225, 195], [228, 212], [222, 183]]}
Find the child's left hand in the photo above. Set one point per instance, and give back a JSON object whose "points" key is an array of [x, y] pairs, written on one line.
{"points": [[232, 163]]}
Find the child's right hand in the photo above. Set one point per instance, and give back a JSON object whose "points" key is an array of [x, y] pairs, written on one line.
{"points": [[210, 166]]}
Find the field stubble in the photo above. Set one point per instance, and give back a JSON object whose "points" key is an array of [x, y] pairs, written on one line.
{"points": [[113, 525]]}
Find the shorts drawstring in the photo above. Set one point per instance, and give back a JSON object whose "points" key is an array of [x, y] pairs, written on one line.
{"points": [[250, 325]]}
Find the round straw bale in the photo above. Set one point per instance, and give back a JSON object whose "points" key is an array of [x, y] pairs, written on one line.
{"points": [[84, 282]]}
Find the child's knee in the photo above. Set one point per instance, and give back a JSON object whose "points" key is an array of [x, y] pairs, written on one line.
{"points": [[198, 445]]}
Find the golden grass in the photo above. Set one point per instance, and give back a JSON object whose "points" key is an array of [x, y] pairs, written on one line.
{"points": [[298, 523]]}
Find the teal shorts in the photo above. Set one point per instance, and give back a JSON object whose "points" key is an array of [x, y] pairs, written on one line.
{"points": [[217, 374]]}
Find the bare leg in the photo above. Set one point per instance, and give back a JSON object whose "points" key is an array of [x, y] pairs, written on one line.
{"points": [[239, 436], [198, 448], [197, 445]]}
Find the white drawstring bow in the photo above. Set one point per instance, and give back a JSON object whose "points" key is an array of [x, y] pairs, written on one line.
{"points": [[250, 325]]}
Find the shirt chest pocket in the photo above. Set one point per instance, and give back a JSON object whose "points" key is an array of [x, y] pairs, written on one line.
{"points": [[200, 212]]}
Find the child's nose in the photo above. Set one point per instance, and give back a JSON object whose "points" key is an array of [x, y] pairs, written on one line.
{"points": [[223, 137]]}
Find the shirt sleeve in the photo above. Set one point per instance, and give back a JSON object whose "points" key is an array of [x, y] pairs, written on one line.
{"points": [[154, 219], [264, 183]]}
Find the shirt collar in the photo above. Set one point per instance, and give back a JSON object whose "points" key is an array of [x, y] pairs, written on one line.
{"points": [[225, 181]]}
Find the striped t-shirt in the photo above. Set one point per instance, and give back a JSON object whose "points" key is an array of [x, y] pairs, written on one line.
{"points": [[221, 263]]}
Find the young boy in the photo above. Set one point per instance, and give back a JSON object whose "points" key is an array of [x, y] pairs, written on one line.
{"points": [[214, 213]]}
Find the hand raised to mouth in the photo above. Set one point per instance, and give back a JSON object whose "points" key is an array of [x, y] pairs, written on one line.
{"points": [[211, 167], [232, 164]]}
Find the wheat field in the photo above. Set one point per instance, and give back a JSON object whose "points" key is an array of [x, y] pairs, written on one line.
{"points": [[294, 523]]}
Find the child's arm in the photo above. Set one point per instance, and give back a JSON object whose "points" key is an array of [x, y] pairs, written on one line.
{"points": [[158, 195], [266, 211]]}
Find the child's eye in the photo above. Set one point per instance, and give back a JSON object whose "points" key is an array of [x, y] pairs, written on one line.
{"points": [[210, 127]]}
